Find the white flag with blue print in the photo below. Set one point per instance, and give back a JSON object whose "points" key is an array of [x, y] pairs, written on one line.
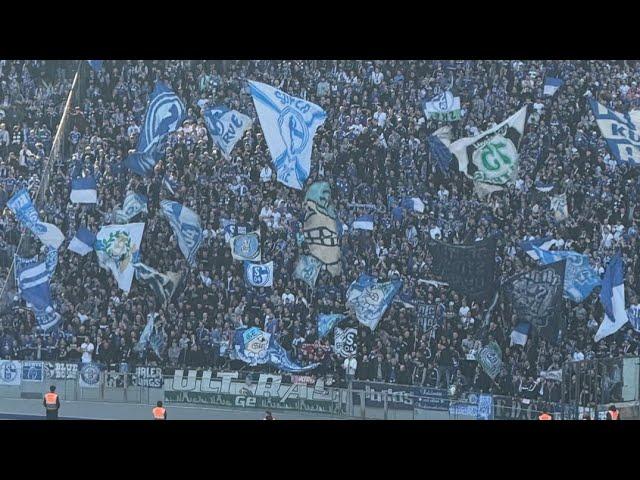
{"points": [[246, 247], [133, 204], [612, 298], [289, 125], [259, 275], [621, 131], [24, 210], [118, 248], [165, 113], [84, 190], [226, 127], [186, 225]]}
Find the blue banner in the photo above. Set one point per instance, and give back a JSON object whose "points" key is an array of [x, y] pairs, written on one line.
{"points": [[289, 125], [186, 226]]}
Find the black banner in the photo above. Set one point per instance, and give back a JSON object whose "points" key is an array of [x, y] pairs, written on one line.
{"points": [[536, 297], [469, 269]]}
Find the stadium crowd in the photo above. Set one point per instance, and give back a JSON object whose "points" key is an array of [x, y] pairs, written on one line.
{"points": [[372, 149]]}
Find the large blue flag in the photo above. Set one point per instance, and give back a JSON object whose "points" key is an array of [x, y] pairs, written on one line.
{"points": [[544, 243], [165, 113], [186, 225], [439, 143], [24, 210], [579, 278], [289, 125], [370, 299], [326, 322], [612, 298], [256, 347], [226, 127]]}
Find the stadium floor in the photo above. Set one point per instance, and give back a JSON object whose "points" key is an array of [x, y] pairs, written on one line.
{"points": [[31, 409]]}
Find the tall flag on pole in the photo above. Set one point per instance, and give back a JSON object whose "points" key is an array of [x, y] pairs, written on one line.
{"points": [[370, 298], [165, 113], [289, 125], [24, 210], [621, 131], [226, 127], [320, 228], [491, 158], [84, 190], [612, 298], [83, 242], [118, 248], [186, 226], [490, 359], [551, 86]]}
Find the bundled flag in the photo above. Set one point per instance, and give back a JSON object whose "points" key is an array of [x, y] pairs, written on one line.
{"points": [[612, 298], [256, 347], [551, 86], [621, 131], [151, 337], [164, 285], [84, 190], [307, 270], [443, 107], [320, 229], [289, 125], [24, 210], [226, 127], [528, 246], [133, 204], [326, 322], [365, 222], [165, 113], [83, 242], [559, 207], [258, 275], [186, 227], [370, 299], [491, 158], [490, 359], [579, 278], [246, 247], [520, 334], [118, 248], [414, 204], [439, 143]]}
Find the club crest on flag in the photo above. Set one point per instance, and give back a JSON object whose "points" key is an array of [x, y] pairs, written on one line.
{"points": [[259, 275], [246, 247]]}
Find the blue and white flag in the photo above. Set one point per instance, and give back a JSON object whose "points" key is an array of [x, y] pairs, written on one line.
{"points": [[133, 204], [246, 247], [414, 204], [170, 184], [559, 207], [365, 222], [33, 279], [96, 65], [226, 127], [551, 86], [118, 248], [24, 210], [145, 336], [621, 131], [543, 187], [289, 125], [443, 107], [163, 285], [370, 299], [579, 277], [84, 190], [520, 334], [256, 347], [633, 313], [544, 243], [326, 322], [165, 113], [83, 242], [258, 275], [439, 143], [307, 269], [186, 226], [612, 298]]}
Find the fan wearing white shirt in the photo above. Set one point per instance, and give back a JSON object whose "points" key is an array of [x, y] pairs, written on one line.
{"points": [[87, 350], [350, 365], [265, 174]]}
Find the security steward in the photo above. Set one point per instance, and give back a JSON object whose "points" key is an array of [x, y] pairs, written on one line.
{"points": [[268, 416], [51, 403], [545, 416], [613, 413], [159, 413]]}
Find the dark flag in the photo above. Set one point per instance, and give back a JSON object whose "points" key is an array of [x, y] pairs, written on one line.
{"points": [[469, 269], [536, 297]]}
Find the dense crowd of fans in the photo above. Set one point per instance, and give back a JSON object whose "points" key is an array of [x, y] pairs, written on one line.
{"points": [[372, 149]]}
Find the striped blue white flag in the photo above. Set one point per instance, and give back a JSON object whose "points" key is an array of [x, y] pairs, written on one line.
{"points": [[520, 334], [83, 242], [289, 125], [365, 222], [551, 86], [612, 298], [84, 190]]}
